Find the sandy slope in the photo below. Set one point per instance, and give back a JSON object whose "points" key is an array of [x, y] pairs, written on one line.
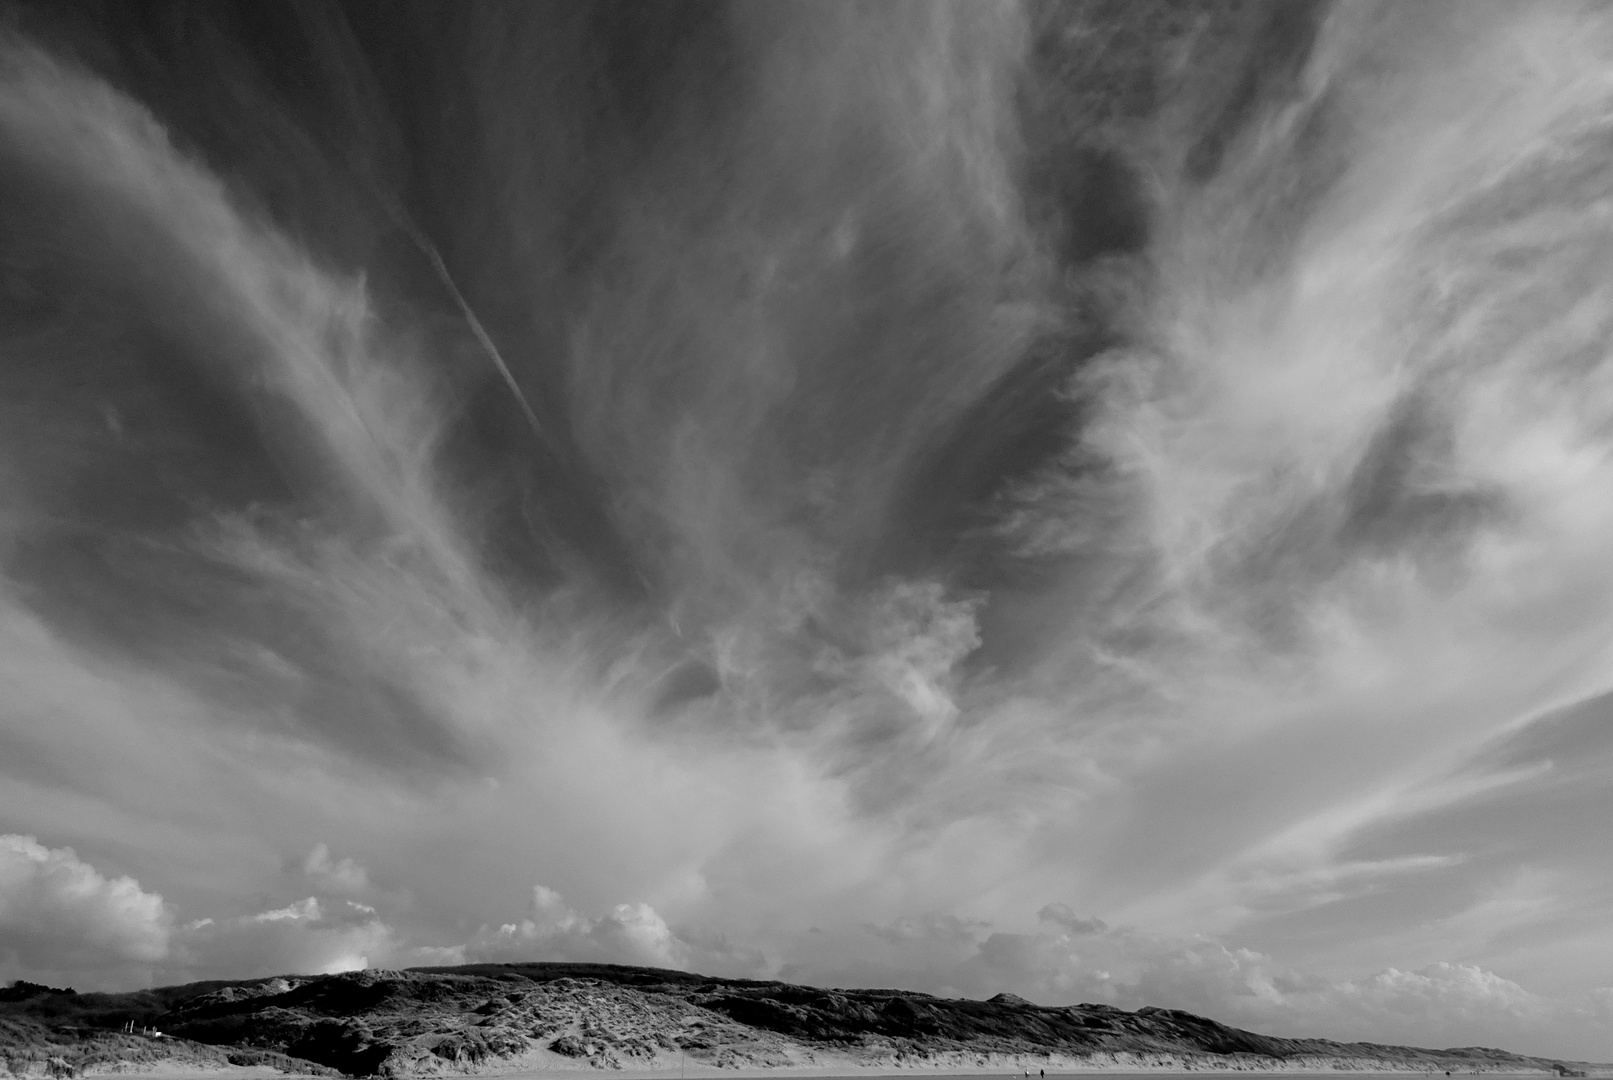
{"points": [[558, 1019]]}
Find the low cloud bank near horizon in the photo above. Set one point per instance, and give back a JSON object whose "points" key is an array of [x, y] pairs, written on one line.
{"points": [[802, 489], [1065, 960]]}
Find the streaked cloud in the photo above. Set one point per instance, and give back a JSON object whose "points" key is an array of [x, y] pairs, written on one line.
{"points": [[973, 460]]}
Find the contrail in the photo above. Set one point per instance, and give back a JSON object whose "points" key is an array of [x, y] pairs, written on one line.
{"points": [[423, 242]]}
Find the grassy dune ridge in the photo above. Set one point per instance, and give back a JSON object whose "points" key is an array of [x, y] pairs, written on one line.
{"points": [[506, 1018]]}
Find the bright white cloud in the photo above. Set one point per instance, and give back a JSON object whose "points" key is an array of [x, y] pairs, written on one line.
{"points": [[305, 937], [304, 910], [633, 933], [58, 913]]}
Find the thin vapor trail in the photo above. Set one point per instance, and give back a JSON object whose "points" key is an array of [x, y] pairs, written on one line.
{"points": [[429, 250]]}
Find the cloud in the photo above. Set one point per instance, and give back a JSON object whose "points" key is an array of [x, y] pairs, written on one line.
{"points": [[59, 914], [305, 937], [308, 910], [632, 933], [62, 919], [878, 548], [629, 933], [341, 876], [1070, 960]]}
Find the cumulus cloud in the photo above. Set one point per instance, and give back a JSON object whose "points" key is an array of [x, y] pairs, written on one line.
{"points": [[59, 914], [303, 937], [61, 918], [631, 933], [1070, 960]]}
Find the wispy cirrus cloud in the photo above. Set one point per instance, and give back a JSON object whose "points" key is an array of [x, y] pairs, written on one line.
{"points": [[972, 454]]}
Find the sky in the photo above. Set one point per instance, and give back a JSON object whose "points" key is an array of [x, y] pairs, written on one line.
{"points": [[1105, 500]]}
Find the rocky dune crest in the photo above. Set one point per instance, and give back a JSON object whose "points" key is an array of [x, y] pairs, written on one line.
{"points": [[504, 1018]]}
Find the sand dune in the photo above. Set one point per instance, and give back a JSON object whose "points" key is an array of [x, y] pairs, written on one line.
{"points": [[507, 1019]]}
